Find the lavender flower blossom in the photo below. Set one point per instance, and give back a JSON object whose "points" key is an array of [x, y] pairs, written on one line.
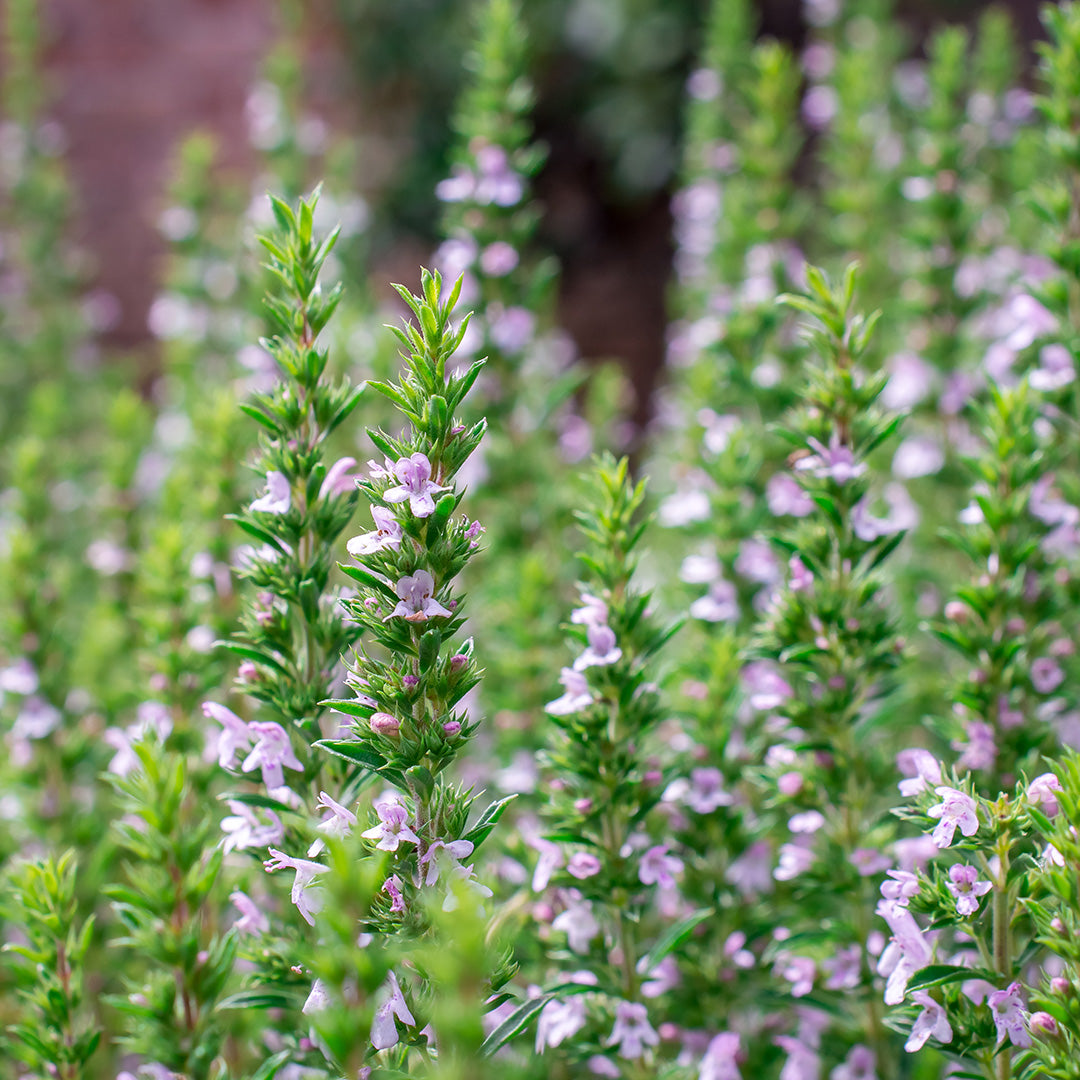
{"points": [[860, 1064], [583, 864], [593, 612], [577, 922], [657, 867], [785, 495], [339, 480], [1010, 1016], [932, 1022], [1041, 791], [384, 1034], [966, 887], [768, 689], [392, 887], [414, 484], [272, 753], [278, 497], [466, 875], [393, 828], [956, 809], [252, 919], [922, 770], [337, 822], [602, 649], [835, 461], [578, 696], [720, 1061], [703, 792], [387, 534], [903, 886], [632, 1031], [243, 829], [443, 856], [719, 604], [417, 602], [234, 738], [308, 899], [559, 1021], [907, 953]]}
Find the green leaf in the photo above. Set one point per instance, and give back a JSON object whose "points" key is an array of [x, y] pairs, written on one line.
{"points": [[513, 1025], [940, 974], [487, 821], [262, 999], [674, 937]]}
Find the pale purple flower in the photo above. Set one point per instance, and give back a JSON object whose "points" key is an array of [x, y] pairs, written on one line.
{"points": [[751, 872], [918, 456], [339, 480], [578, 696], [36, 719], [795, 860], [578, 923], [551, 858], [767, 688], [657, 867], [907, 952], [980, 751], [318, 999], [602, 649], [835, 461], [911, 379], [1041, 791], [1046, 675], [902, 886], [466, 877], [392, 887], [308, 899], [756, 562], [1055, 369], [1029, 321], [19, 678], [703, 792], [498, 259], [416, 601], [593, 611], [721, 1058], [444, 855], [414, 484], [336, 822], [659, 979], [252, 918], [559, 1021], [393, 828], [844, 969], [932, 1022], [684, 508], [719, 604], [860, 1064], [272, 752], [955, 810], [799, 971], [921, 768], [632, 1032], [234, 738], [1010, 1016], [966, 887], [803, 1061], [799, 576], [583, 864], [244, 830], [699, 569], [869, 861], [807, 822], [384, 1033], [511, 330], [387, 534], [785, 495], [278, 497]]}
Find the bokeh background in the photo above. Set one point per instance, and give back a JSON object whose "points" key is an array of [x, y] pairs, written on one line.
{"points": [[130, 80]]}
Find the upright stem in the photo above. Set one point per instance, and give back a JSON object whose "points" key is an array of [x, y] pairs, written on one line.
{"points": [[1003, 944]]}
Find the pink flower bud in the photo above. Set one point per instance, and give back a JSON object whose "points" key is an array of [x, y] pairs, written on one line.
{"points": [[384, 724], [409, 681], [583, 806], [458, 661], [957, 611], [451, 728], [1057, 925], [1042, 1023], [790, 783], [1060, 985]]}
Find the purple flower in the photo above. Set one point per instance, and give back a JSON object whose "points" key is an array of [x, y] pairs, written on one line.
{"points": [[498, 259], [417, 602], [795, 860], [799, 577], [659, 979], [903, 886], [1041, 791], [511, 330], [339, 481], [803, 1062], [387, 534], [1055, 369], [720, 1061], [583, 864], [860, 1064], [955, 809], [632, 1031], [252, 919], [336, 822], [551, 858], [392, 887], [393, 828], [844, 969], [466, 876], [272, 753], [308, 900], [751, 872], [657, 867], [767, 688], [559, 1021], [577, 922], [593, 612], [414, 484], [19, 678], [602, 649], [757, 563], [921, 767], [966, 887], [318, 1000], [577, 696], [1007, 1009], [278, 497], [785, 495], [799, 971], [719, 604], [703, 792], [869, 861], [36, 719], [384, 1034], [980, 751], [442, 855], [234, 738], [1046, 675], [836, 461], [932, 1022], [907, 953], [243, 829]]}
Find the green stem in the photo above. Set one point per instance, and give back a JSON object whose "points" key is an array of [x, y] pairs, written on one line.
{"points": [[1002, 915]]}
